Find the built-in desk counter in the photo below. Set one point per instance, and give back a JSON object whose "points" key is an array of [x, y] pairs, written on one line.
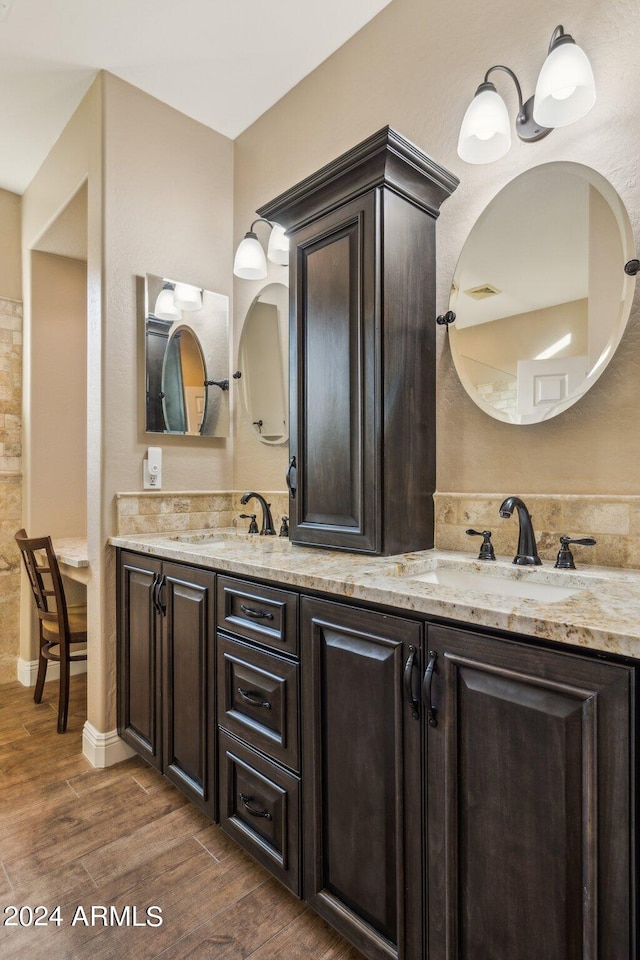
{"points": [[73, 557]]}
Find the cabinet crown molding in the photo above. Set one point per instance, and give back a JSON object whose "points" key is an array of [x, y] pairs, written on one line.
{"points": [[385, 159]]}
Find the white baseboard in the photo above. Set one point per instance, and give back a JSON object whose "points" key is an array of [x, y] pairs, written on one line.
{"points": [[28, 671], [104, 749]]}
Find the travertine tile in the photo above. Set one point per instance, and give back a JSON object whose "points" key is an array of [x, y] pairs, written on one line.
{"points": [[10, 482], [614, 523], [585, 518]]}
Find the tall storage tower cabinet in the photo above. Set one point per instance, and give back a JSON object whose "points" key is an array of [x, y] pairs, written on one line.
{"points": [[362, 347]]}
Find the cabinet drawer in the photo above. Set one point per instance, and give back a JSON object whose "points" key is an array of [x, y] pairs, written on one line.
{"points": [[258, 699], [263, 614], [260, 809]]}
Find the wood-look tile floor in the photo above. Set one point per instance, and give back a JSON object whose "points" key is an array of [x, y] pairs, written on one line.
{"points": [[76, 837]]}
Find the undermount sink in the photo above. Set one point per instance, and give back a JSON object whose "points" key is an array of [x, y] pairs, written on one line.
{"points": [[474, 581], [216, 539], [209, 538]]}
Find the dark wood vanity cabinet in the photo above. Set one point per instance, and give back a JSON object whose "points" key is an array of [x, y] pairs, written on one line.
{"points": [[362, 347], [434, 792], [529, 803], [139, 656], [361, 776], [166, 688]]}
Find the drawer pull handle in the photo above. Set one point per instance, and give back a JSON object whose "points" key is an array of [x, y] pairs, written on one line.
{"points": [[247, 801], [256, 614], [253, 697]]}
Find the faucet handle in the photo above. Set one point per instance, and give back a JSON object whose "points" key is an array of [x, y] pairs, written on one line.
{"points": [[284, 527], [253, 526], [486, 547], [564, 560]]}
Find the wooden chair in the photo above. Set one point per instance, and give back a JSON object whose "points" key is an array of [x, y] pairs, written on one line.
{"points": [[61, 626]]}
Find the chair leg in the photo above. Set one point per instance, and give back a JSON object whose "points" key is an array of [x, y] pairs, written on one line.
{"points": [[63, 698], [42, 675]]}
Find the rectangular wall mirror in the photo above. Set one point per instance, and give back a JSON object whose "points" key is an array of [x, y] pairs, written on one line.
{"points": [[186, 342]]}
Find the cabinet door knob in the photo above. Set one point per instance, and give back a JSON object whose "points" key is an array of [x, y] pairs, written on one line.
{"points": [[426, 689], [247, 801]]}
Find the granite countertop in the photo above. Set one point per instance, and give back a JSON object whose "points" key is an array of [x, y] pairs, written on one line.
{"points": [[602, 611], [71, 551]]}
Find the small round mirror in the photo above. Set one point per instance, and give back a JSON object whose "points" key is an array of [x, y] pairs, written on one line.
{"points": [[540, 294], [184, 395], [262, 363]]}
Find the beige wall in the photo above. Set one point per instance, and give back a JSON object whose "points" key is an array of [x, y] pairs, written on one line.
{"points": [[168, 211], [159, 200], [58, 459], [416, 66], [499, 344]]}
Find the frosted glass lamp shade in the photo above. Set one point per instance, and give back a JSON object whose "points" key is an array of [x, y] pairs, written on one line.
{"points": [[278, 249], [485, 134], [250, 262], [187, 297], [165, 308], [566, 90]]}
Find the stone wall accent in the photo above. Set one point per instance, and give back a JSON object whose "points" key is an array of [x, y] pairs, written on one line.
{"points": [[613, 521], [152, 511], [10, 483]]}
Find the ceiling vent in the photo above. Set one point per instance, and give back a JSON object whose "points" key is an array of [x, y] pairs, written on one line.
{"points": [[482, 292]]}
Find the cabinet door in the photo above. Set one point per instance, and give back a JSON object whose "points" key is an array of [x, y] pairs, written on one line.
{"points": [[189, 682], [139, 720], [529, 803], [361, 777], [335, 379]]}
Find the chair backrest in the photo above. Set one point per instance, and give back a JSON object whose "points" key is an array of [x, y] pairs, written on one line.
{"points": [[46, 583]]}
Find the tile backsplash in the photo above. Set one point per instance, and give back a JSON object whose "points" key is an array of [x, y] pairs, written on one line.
{"points": [[154, 511], [613, 521]]}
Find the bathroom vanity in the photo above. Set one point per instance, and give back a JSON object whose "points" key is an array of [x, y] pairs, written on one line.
{"points": [[431, 768]]}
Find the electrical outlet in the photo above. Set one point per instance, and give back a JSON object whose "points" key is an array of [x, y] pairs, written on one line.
{"points": [[152, 469]]}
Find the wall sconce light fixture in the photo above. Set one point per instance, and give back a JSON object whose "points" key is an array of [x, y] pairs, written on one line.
{"points": [[187, 297], [165, 307], [176, 297], [250, 262], [565, 92]]}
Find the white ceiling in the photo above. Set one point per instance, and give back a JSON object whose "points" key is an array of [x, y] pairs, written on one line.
{"points": [[222, 62]]}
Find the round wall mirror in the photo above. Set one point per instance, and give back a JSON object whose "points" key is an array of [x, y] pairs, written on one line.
{"points": [[540, 294], [184, 394], [262, 361]]}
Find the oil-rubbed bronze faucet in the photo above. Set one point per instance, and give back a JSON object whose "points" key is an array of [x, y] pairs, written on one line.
{"points": [[267, 520], [527, 550]]}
